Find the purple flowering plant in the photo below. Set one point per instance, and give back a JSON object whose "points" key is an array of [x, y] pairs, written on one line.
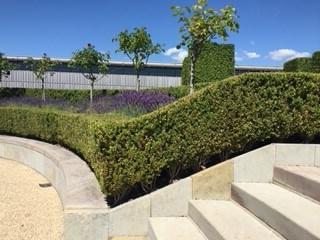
{"points": [[130, 103]]}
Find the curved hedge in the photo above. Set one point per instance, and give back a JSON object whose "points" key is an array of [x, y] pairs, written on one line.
{"points": [[229, 116]]}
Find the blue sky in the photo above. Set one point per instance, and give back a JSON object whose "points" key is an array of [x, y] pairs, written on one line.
{"points": [[271, 31]]}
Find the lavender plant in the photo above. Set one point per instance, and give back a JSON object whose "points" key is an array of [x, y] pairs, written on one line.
{"points": [[127, 102], [145, 101]]}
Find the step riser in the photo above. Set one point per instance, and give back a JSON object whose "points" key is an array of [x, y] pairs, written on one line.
{"points": [[208, 230], [273, 218], [298, 183]]}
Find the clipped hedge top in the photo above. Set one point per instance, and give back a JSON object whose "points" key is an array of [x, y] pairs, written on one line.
{"points": [[229, 116], [304, 64]]}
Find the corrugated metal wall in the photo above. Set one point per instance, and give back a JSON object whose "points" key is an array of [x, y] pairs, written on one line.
{"points": [[73, 80]]}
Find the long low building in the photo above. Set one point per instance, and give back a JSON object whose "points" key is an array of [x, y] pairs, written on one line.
{"points": [[121, 75]]}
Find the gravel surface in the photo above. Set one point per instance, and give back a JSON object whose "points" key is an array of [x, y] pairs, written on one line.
{"points": [[28, 211]]}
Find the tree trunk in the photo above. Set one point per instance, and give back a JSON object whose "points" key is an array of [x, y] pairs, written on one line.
{"points": [[43, 91], [138, 82], [192, 72], [91, 94]]}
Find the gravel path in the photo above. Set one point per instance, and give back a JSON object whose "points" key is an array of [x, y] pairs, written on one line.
{"points": [[27, 211]]}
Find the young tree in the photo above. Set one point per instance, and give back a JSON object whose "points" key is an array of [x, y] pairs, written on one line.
{"points": [[42, 68], [138, 47], [91, 63], [200, 24], [5, 67]]}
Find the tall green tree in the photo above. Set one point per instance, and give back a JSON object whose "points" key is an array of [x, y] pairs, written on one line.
{"points": [[5, 67], [200, 24], [42, 68], [138, 47], [92, 64]]}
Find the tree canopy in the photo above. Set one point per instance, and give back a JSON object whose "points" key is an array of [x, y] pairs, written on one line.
{"points": [[138, 47], [200, 24], [90, 62], [41, 67]]}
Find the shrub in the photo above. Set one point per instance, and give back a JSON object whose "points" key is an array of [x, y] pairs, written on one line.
{"points": [[35, 102], [76, 96], [298, 65], [216, 62], [11, 92], [179, 92], [73, 96], [304, 64], [127, 102], [146, 101], [229, 116], [316, 62]]}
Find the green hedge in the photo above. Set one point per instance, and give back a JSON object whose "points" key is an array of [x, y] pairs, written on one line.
{"points": [[298, 65], [304, 64], [178, 92], [316, 62], [229, 116], [68, 95], [75, 96], [216, 62], [11, 92]]}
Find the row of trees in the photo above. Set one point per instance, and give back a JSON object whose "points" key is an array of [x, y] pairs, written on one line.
{"points": [[199, 24], [137, 45]]}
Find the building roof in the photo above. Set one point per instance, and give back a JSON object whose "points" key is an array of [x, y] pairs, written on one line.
{"points": [[160, 65]]}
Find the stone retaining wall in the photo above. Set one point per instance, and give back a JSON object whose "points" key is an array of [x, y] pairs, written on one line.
{"points": [[85, 209]]}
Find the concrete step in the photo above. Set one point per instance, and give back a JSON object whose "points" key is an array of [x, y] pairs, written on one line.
{"points": [[290, 214], [305, 180], [173, 228], [225, 220]]}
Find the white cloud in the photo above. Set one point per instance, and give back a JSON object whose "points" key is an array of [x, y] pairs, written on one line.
{"points": [[251, 55], [286, 54], [176, 54]]}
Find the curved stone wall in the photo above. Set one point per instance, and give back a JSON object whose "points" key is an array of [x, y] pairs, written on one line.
{"points": [[85, 208]]}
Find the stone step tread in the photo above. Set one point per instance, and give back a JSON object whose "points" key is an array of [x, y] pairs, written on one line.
{"points": [[232, 222], [298, 209], [175, 228], [312, 173]]}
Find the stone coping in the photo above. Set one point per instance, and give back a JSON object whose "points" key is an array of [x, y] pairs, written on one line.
{"points": [[75, 183]]}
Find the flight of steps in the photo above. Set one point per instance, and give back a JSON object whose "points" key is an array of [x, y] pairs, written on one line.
{"points": [[288, 208]]}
